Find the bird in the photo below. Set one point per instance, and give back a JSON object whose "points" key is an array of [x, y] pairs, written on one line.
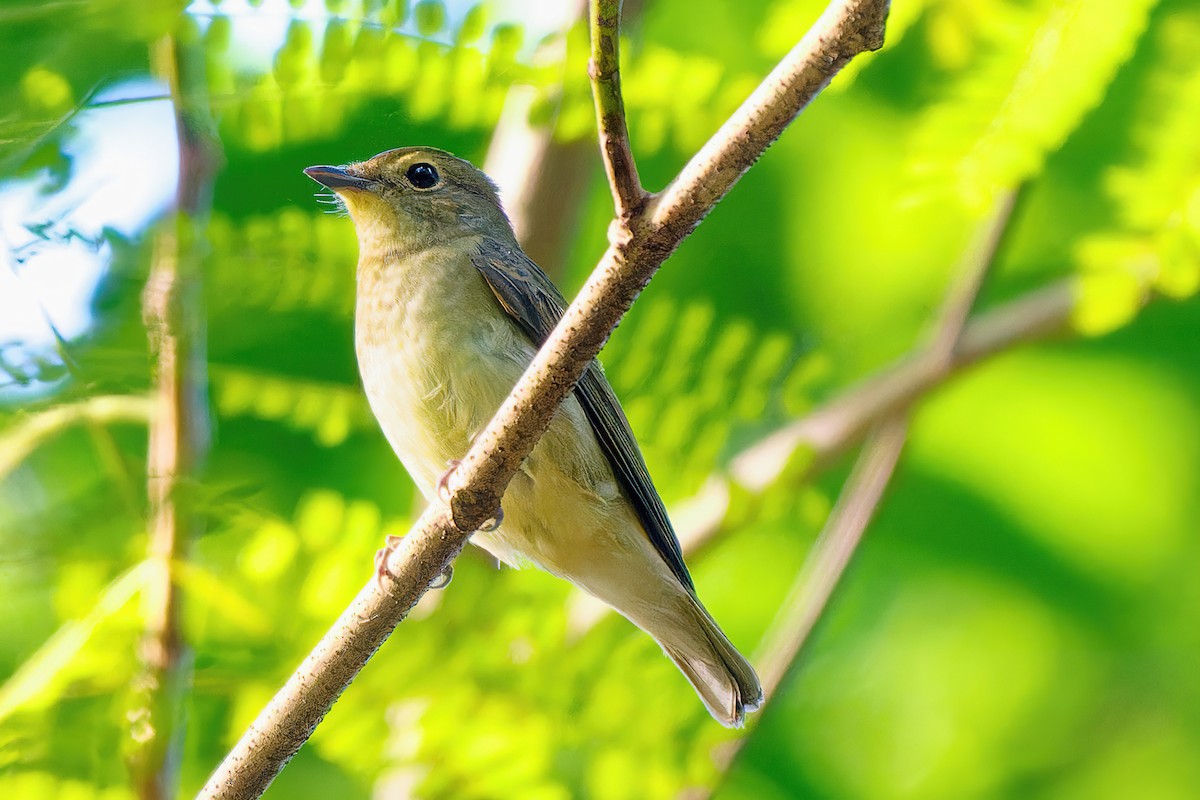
{"points": [[449, 312]]}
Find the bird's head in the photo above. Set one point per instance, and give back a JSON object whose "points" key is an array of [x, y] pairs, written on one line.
{"points": [[415, 197]]}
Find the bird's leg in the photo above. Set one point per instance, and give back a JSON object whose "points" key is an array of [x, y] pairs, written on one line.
{"points": [[443, 484]]}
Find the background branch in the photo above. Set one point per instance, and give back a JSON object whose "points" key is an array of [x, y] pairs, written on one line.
{"points": [[813, 442], [477, 486], [843, 532], [179, 427], [543, 179], [835, 546], [831, 552], [830, 429]]}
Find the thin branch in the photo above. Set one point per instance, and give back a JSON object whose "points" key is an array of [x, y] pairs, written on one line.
{"points": [[843, 31], [179, 428], [831, 553], [973, 269], [830, 430], [604, 69], [823, 570], [477, 485], [836, 544]]}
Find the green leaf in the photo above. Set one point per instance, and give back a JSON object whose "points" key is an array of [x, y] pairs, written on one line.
{"points": [[1040, 70], [43, 677]]}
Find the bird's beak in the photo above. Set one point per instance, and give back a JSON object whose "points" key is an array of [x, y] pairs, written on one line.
{"points": [[337, 178]]}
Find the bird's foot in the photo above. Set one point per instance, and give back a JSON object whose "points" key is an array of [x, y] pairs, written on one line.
{"points": [[382, 571], [381, 558], [443, 484]]}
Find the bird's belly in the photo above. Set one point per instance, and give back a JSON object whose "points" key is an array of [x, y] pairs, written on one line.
{"points": [[561, 523], [562, 504], [435, 376], [431, 400]]}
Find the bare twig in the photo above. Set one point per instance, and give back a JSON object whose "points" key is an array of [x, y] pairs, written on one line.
{"points": [[831, 552], [828, 431], [179, 429], [604, 68], [831, 429], [478, 484], [843, 531]]}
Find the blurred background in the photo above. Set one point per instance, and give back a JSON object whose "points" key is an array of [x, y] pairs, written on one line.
{"points": [[1021, 619]]}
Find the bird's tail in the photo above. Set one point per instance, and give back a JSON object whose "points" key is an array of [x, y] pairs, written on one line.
{"points": [[723, 678]]}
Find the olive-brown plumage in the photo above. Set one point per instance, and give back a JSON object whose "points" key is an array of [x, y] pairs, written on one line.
{"points": [[450, 311]]}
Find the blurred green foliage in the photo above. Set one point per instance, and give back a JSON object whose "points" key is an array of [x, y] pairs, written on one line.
{"points": [[1021, 621]]}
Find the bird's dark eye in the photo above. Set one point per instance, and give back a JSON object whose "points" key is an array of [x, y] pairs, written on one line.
{"points": [[422, 176]]}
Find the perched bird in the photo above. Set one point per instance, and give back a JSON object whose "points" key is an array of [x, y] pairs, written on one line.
{"points": [[450, 311]]}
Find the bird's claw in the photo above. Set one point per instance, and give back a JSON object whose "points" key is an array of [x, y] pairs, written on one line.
{"points": [[382, 571], [443, 484], [443, 580], [494, 522], [381, 559]]}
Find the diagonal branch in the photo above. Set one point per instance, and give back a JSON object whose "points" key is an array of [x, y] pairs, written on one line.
{"points": [[476, 487], [604, 68], [843, 31], [830, 430], [836, 544], [843, 532], [831, 553]]}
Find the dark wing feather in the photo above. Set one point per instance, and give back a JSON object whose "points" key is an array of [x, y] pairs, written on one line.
{"points": [[533, 301]]}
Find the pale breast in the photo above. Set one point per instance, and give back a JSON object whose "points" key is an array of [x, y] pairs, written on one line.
{"points": [[436, 353], [438, 356]]}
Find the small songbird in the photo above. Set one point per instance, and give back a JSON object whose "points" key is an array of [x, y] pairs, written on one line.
{"points": [[450, 312]]}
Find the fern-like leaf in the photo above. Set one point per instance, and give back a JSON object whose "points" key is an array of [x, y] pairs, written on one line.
{"points": [[689, 384], [328, 411], [1043, 67], [1155, 247]]}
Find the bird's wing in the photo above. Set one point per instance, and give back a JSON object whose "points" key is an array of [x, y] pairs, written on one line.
{"points": [[533, 301]]}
